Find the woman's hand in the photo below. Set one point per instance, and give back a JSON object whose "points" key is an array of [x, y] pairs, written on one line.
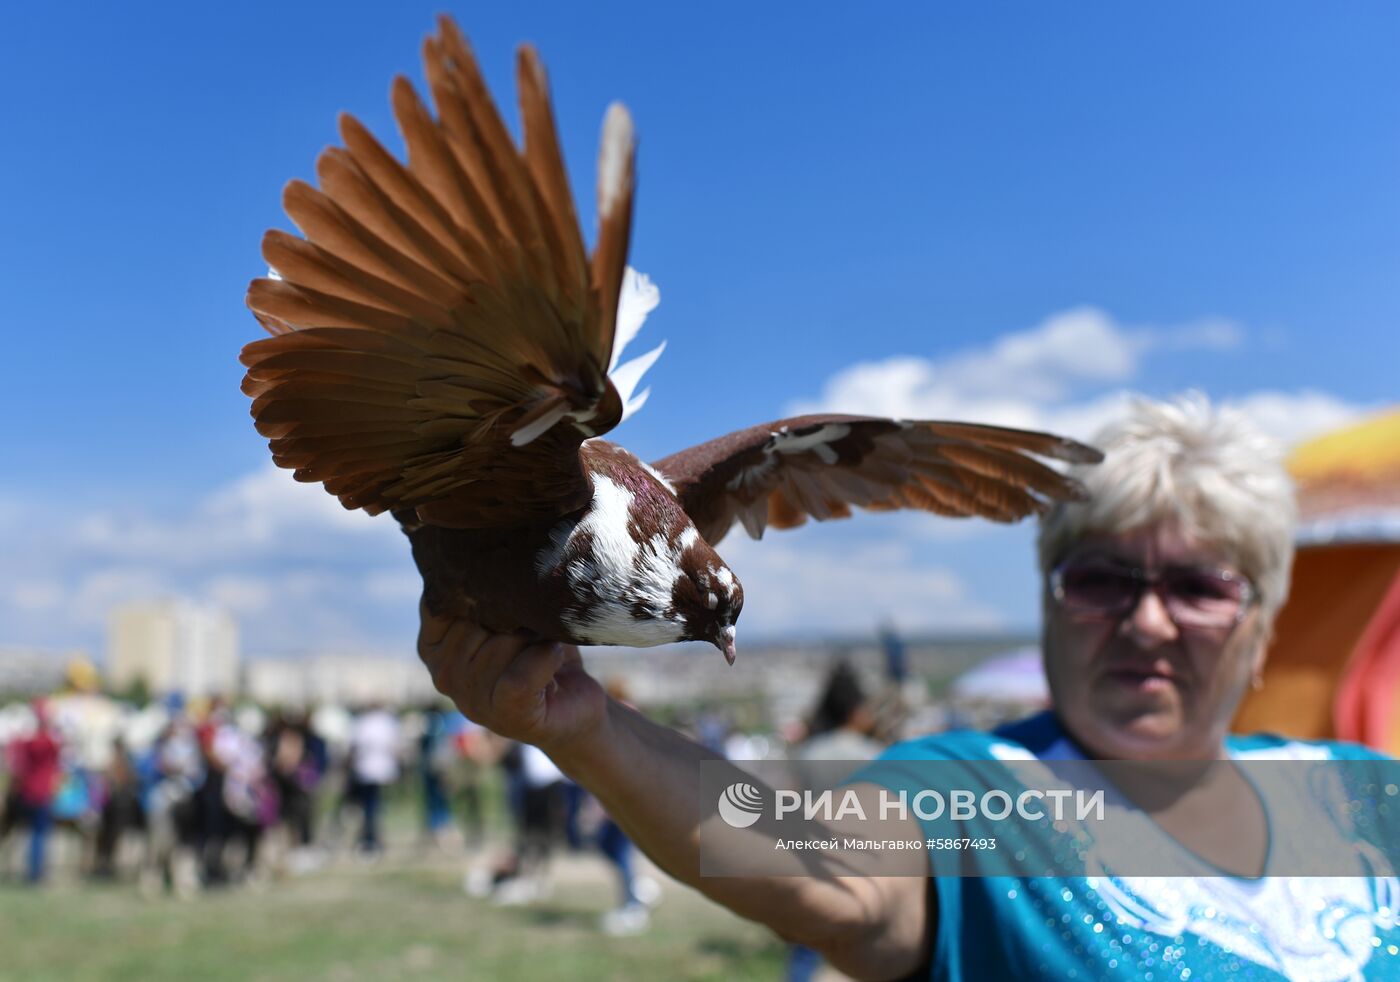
{"points": [[512, 684]]}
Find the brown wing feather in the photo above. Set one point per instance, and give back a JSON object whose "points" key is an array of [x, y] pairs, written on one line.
{"points": [[780, 474], [437, 308], [545, 161]]}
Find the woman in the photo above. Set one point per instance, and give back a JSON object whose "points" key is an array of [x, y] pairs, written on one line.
{"points": [[1160, 592]]}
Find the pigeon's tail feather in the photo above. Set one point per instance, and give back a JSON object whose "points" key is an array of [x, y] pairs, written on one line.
{"points": [[545, 161]]}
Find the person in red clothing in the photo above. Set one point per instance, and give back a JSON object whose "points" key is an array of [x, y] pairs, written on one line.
{"points": [[35, 770]]}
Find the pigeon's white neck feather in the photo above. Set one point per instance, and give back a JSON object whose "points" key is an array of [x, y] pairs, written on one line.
{"points": [[633, 580]]}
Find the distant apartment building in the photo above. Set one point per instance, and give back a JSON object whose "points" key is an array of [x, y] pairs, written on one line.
{"points": [[173, 646]]}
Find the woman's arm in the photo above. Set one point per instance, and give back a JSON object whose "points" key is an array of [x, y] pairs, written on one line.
{"points": [[645, 776]]}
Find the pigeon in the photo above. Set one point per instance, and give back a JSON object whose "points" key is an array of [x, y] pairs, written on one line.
{"points": [[444, 348]]}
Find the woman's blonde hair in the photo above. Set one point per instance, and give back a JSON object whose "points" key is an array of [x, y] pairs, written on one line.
{"points": [[1208, 471]]}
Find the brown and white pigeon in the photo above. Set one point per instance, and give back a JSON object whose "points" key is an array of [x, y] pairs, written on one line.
{"points": [[441, 347]]}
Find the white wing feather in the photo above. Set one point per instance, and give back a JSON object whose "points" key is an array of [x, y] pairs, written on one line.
{"points": [[638, 298]]}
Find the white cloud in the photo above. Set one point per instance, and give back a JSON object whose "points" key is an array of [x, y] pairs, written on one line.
{"points": [[261, 511], [998, 383], [1053, 377], [269, 501], [1081, 344]]}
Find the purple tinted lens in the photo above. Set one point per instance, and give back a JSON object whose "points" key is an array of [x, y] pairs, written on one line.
{"points": [[1098, 587], [1208, 598], [1200, 586]]}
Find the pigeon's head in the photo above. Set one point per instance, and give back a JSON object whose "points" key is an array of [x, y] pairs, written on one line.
{"points": [[708, 597]]}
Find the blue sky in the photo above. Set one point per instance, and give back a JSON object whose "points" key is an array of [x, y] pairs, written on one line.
{"points": [[1011, 212]]}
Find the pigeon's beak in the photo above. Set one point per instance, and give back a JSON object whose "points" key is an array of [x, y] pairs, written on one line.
{"points": [[725, 643]]}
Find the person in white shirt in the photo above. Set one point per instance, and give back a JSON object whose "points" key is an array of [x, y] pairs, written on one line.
{"points": [[375, 747]]}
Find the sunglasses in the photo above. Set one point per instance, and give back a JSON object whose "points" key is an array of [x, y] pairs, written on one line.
{"points": [[1194, 596]]}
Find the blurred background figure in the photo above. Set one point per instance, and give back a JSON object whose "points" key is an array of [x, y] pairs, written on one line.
{"points": [[122, 810], [474, 754], [236, 800], [839, 728], [895, 655], [172, 769], [540, 826], [35, 773], [534, 789], [712, 729], [297, 760], [375, 750], [636, 894], [437, 757]]}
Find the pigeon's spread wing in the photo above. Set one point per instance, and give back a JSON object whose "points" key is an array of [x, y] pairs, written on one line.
{"points": [[440, 339], [782, 473]]}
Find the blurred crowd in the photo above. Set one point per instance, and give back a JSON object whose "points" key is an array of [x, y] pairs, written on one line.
{"points": [[186, 796], [190, 793]]}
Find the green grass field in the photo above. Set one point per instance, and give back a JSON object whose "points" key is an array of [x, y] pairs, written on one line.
{"points": [[405, 917]]}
